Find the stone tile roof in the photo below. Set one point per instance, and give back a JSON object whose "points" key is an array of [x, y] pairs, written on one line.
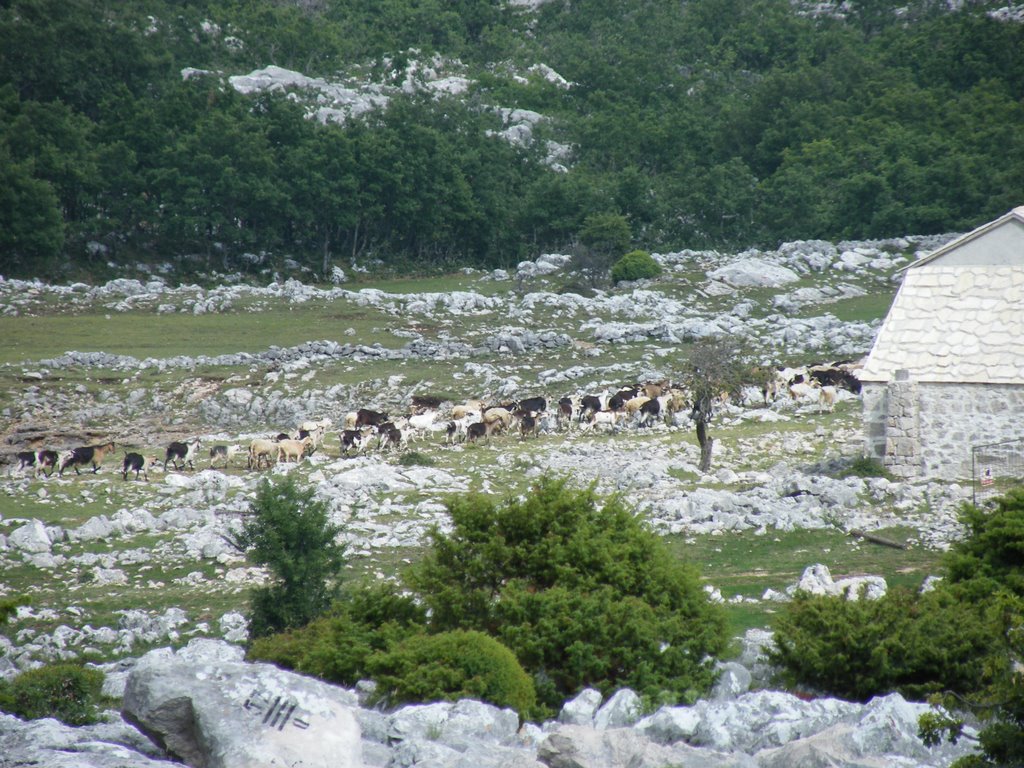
{"points": [[959, 322]]}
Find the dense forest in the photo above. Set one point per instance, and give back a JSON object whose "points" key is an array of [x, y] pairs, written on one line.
{"points": [[703, 123]]}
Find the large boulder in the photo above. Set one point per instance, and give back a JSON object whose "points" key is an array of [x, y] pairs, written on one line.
{"points": [[215, 713]]}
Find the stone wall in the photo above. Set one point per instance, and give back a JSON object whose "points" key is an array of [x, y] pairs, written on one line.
{"points": [[921, 429]]}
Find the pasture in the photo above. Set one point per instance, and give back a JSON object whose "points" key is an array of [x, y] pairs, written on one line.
{"points": [[154, 545]]}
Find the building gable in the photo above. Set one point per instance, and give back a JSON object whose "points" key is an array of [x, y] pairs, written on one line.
{"points": [[958, 316]]}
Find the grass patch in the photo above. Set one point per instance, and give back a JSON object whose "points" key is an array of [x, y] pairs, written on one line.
{"points": [[747, 564]]}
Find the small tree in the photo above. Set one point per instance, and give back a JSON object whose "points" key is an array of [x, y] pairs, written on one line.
{"points": [[714, 369], [290, 533]]}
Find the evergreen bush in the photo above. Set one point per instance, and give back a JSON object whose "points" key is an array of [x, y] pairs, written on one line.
{"points": [[635, 265], [451, 666], [68, 692], [289, 532], [335, 647], [905, 642], [579, 590]]}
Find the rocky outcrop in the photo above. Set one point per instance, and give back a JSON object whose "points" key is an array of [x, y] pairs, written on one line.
{"points": [[203, 707], [210, 710]]}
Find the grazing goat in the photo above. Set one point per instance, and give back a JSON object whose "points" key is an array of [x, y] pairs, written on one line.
{"points": [[183, 452], [528, 425], [481, 429], [367, 418], [260, 449], [535, 404], [421, 422], [356, 439], [39, 460], [390, 436], [292, 449], [566, 407], [494, 416], [136, 462], [608, 419], [89, 454], [223, 453], [589, 404], [649, 412]]}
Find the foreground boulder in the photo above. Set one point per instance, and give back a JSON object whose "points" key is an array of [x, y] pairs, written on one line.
{"points": [[210, 712]]}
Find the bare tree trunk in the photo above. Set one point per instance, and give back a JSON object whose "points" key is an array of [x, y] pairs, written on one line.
{"points": [[706, 444]]}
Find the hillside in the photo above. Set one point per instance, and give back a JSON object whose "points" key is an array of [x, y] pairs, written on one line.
{"points": [[423, 136], [110, 563]]}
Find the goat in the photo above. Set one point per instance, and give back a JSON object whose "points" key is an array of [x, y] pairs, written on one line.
{"points": [[457, 429], [649, 411], [260, 449], [566, 408], [136, 462], [497, 415], [223, 453], [391, 436], [39, 460], [183, 452], [535, 404], [481, 429], [421, 422], [367, 418], [354, 438], [589, 404], [827, 399], [89, 454], [528, 425], [292, 449], [633, 405], [607, 418]]}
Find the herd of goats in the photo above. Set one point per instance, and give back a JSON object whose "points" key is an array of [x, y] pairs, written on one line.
{"points": [[637, 406]]}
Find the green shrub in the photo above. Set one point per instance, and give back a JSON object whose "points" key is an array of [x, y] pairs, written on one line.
{"points": [[289, 532], [905, 642], [580, 591], [68, 692], [991, 554], [451, 666], [865, 466], [335, 647], [635, 265], [985, 570], [416, 459]]}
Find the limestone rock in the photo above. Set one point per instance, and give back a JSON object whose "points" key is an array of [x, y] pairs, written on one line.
{"points": [[581, 710], [214, 713]]}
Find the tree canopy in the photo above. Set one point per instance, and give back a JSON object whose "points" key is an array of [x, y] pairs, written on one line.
{"points": [[711, 123]]}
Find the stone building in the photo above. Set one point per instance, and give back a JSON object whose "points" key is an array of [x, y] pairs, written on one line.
{"points": [[947, 369]]}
